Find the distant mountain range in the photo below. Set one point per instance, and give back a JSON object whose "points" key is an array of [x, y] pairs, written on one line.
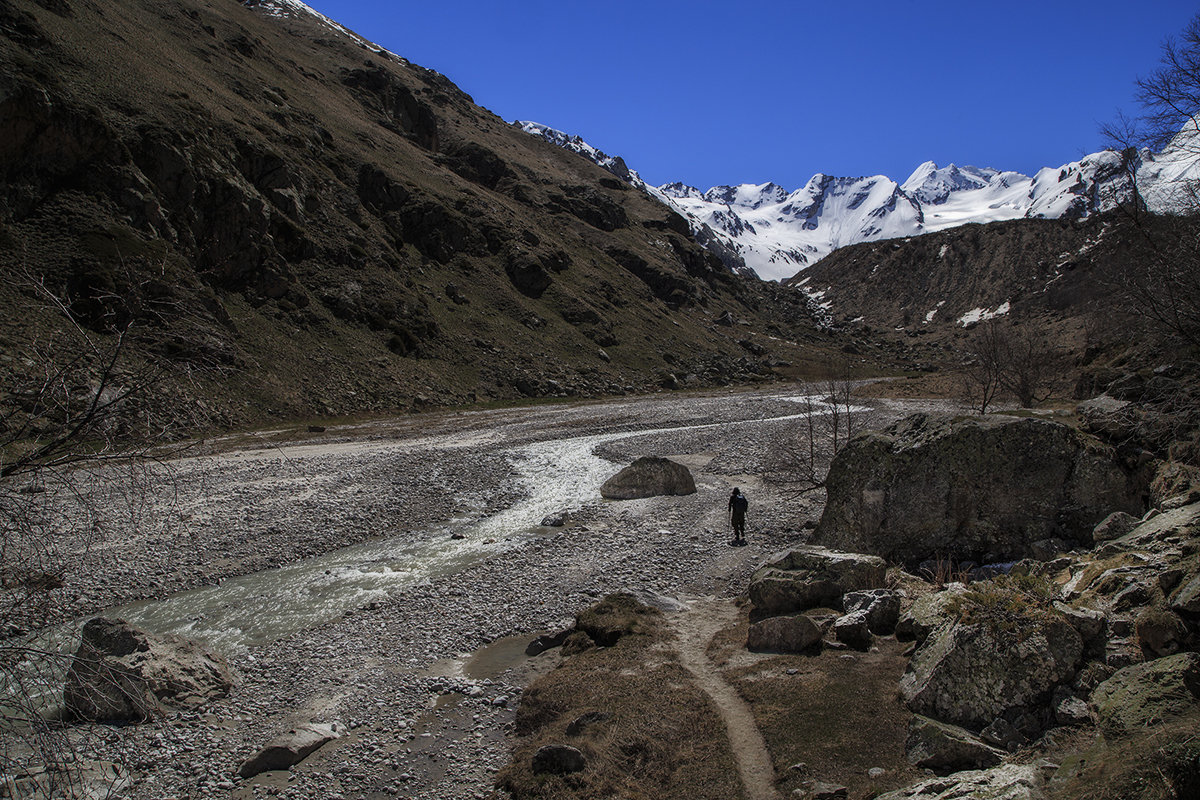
{"points": [[777, 233]]}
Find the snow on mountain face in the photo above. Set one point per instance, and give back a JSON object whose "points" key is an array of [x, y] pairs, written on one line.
{"points": [[778, 233]]}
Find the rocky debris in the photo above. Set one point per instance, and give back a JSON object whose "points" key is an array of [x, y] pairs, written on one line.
{"points": [[123, 674], [1143, 694], [1092, 626], [979, 488], [928, 613], [793, 633], [882, 607], [1114, 526], [852, 630], [1069, 709], [1005, 782], [1187, 598], [969, 674], [555, 520], [820, 790], [947, 748], [288, 749], [811, 577], [649, 476], [1160, 632], [558, 759]]}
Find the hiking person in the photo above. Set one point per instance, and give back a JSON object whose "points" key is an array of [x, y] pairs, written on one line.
{"points": [[737, 515]]}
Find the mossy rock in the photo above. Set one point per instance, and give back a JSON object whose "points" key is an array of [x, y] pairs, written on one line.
{"points": [[614, 617]]}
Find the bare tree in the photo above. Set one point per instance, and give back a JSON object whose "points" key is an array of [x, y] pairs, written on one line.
{"points": [[66, 447], [828, 420], [1161, 281], [1017, 360]]}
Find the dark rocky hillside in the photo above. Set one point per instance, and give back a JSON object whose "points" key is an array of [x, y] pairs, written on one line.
{"points": [[288, 222], [1055, 270]]}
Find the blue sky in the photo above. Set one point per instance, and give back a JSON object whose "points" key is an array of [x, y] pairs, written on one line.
{"points": [[715, 93]]}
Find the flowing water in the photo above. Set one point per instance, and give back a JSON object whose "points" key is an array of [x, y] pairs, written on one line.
{"points": [[558, 475]]}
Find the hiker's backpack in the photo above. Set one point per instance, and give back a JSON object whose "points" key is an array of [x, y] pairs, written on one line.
{"points": [[740, 503]]}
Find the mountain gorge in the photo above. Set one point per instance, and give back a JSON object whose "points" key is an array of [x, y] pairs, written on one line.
{"points": [[776, 232], [286, 220]]}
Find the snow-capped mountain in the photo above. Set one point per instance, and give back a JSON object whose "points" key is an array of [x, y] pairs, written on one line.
{"points": [[778, 233]]}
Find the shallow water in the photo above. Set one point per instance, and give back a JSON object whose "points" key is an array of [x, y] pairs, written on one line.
{"points": [[252, 610]]}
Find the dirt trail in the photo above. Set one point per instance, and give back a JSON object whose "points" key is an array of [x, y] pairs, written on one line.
{"points": [[695, 628]]}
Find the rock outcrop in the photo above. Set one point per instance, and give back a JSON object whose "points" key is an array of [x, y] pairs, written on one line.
{"points": [[792, 633], [123, 674], [947, 748], [969, 674], [1144, 694], [978, 488], [649, 476], [810, 577]]}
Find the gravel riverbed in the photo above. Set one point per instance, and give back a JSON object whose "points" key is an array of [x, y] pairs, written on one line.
{"points": [[423, 680]]}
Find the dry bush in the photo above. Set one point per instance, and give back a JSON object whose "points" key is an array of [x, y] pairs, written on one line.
{"points": [[828, 420]]}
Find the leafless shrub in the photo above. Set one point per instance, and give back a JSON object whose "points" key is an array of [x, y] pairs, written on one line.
{"points": [[1019, 361], [828, 420]]}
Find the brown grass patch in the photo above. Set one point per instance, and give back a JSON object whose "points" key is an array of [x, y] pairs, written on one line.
{"points": [[839, 715], [1158, 763], [664, 738]]}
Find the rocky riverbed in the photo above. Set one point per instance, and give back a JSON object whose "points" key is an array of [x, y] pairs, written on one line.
{"points": [[421, 680]]}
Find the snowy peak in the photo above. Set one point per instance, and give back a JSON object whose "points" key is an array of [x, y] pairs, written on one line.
{"points": [[778, 233], [614, 164]]}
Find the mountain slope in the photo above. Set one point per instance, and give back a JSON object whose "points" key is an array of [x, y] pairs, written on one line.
{"points": [[777, 232], [292, 221]]}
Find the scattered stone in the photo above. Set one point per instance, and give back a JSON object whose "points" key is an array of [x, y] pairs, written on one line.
{"points": [[547, 641], [1187, 599], [558, 759], [820, 790], [288, 749], [882, 607], [1069, 709], [852, 630], [649, 476], [812, 577], [1088, 623], [964, 486], [1160, 633], [556, 520], [1144, 694], [121, 673], [946, 748], [793, 633]]}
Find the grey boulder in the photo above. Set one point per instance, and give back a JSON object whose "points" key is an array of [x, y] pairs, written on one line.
{"points": [[811, 577], [649, 476], [121, 673], [288, 749], [784, 634]]}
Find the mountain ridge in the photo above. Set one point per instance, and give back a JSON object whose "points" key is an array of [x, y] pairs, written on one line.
{"points": [[778, 233]]}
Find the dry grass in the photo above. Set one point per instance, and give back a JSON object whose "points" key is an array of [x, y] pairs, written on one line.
{"points": [[839, 715], [664, 738], [1159, 763]]}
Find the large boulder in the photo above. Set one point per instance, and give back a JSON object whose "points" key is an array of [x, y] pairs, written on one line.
{"points": [[288, 748], [812, 577], [947, 748], [792, 633], [649, 476], [976, 488], [969, 674], [1141, 695], [123, 674]]}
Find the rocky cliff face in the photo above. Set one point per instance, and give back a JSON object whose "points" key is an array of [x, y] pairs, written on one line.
{"points": [[298, 222]]}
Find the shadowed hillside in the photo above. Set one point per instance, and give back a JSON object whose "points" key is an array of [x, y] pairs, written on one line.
{"points": [[286, 221]]}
